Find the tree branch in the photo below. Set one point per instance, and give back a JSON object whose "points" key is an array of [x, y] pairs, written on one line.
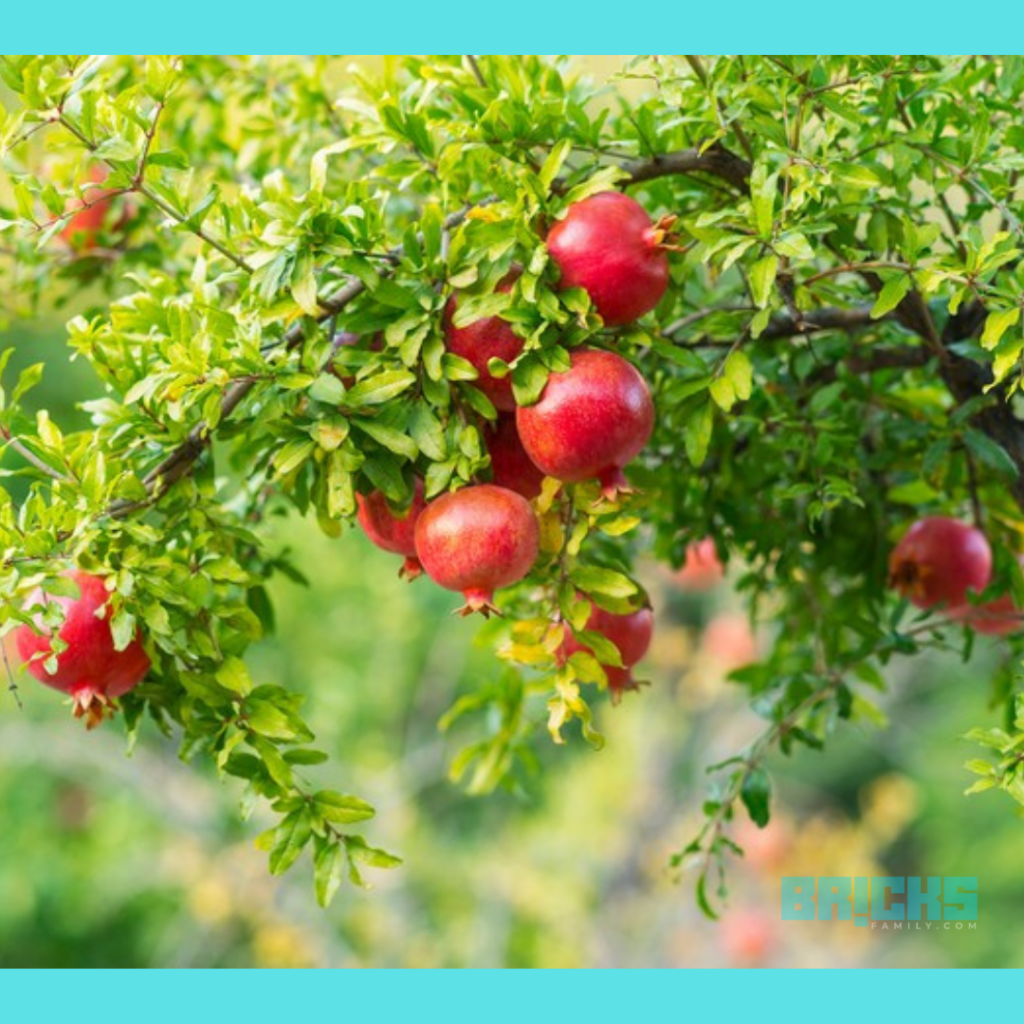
{"points": [[715, 160]]}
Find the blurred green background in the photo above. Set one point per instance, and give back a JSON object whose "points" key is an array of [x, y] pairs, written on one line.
{"points": [[143, 861]]}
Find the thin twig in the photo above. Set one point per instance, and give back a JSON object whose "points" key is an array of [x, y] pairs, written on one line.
{"points": [[475, 68]]}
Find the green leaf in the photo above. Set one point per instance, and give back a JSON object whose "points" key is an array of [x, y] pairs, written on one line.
{"points": [[327, 389], [989, 452], [340, 809], [234, 676], [997, 324], [592, 579], [380, 388], [697, 434], [762, 279], [328, 864], [427, 432], [756, 795], [891, 295], [394, 440], [290, 839]]}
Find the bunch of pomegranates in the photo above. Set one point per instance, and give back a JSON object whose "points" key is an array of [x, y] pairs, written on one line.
{"points": [[589, 422]]}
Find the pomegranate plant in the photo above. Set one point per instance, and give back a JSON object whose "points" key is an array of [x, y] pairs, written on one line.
{"points": [[740, 306]]}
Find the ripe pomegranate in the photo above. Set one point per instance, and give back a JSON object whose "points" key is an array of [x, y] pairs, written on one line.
{"points": [[590, 421], [631, 634], [1001, 617], [608, 246], [511, 467], [483, 340], [938, 561], [729, 640], [82, 230], [89, 668], [702, 569], [748, 937], [389, 532], [478, 540]]}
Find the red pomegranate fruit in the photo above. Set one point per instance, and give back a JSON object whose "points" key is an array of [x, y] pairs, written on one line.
{"points": [[89, 669], [391, 532], [1001, 617], [484, 340], [590, 421], [81, 231], [608, 246], [938, 561], [630, 633], [476, 541], [511, 467], [702, 569]]}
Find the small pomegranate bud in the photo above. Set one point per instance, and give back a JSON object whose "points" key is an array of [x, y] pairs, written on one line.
{"points": [[608, 246], [510, 465], [476, 541], [590, 421], [484, 340], [631, 635], [938, 561], [391, 532], [89, 669]]}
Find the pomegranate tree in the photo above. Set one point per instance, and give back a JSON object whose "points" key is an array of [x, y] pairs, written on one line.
{"points": [[939, 561], [89, 669], [391, 531], [608, 246], [477, 541], [590, 421]]}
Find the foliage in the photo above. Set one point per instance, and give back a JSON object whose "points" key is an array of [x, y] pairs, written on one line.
{"points": [[837, 353]]}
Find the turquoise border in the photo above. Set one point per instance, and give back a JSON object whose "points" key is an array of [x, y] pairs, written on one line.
{"points": [[473, 997], [734, 25], [498, 996]]}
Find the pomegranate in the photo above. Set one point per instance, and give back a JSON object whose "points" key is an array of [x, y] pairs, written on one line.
{"points": [[81, 231], [748, 937], [510, 465], [729, 641], [702, 569], [390, 532], [1000, 617], [608, 246], [478, 540], [938, 561], [631, 635], [590, 421], [483, 340], [89, 668]]}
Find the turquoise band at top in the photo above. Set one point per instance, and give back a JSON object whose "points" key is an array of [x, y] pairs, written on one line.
{"points": [[731, 26]]}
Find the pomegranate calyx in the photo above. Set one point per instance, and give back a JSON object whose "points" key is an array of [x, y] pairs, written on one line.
{"points": [[478, 601]]}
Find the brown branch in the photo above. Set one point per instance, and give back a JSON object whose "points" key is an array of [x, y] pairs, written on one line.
{"points": [[715, 160], [788, 326]]}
